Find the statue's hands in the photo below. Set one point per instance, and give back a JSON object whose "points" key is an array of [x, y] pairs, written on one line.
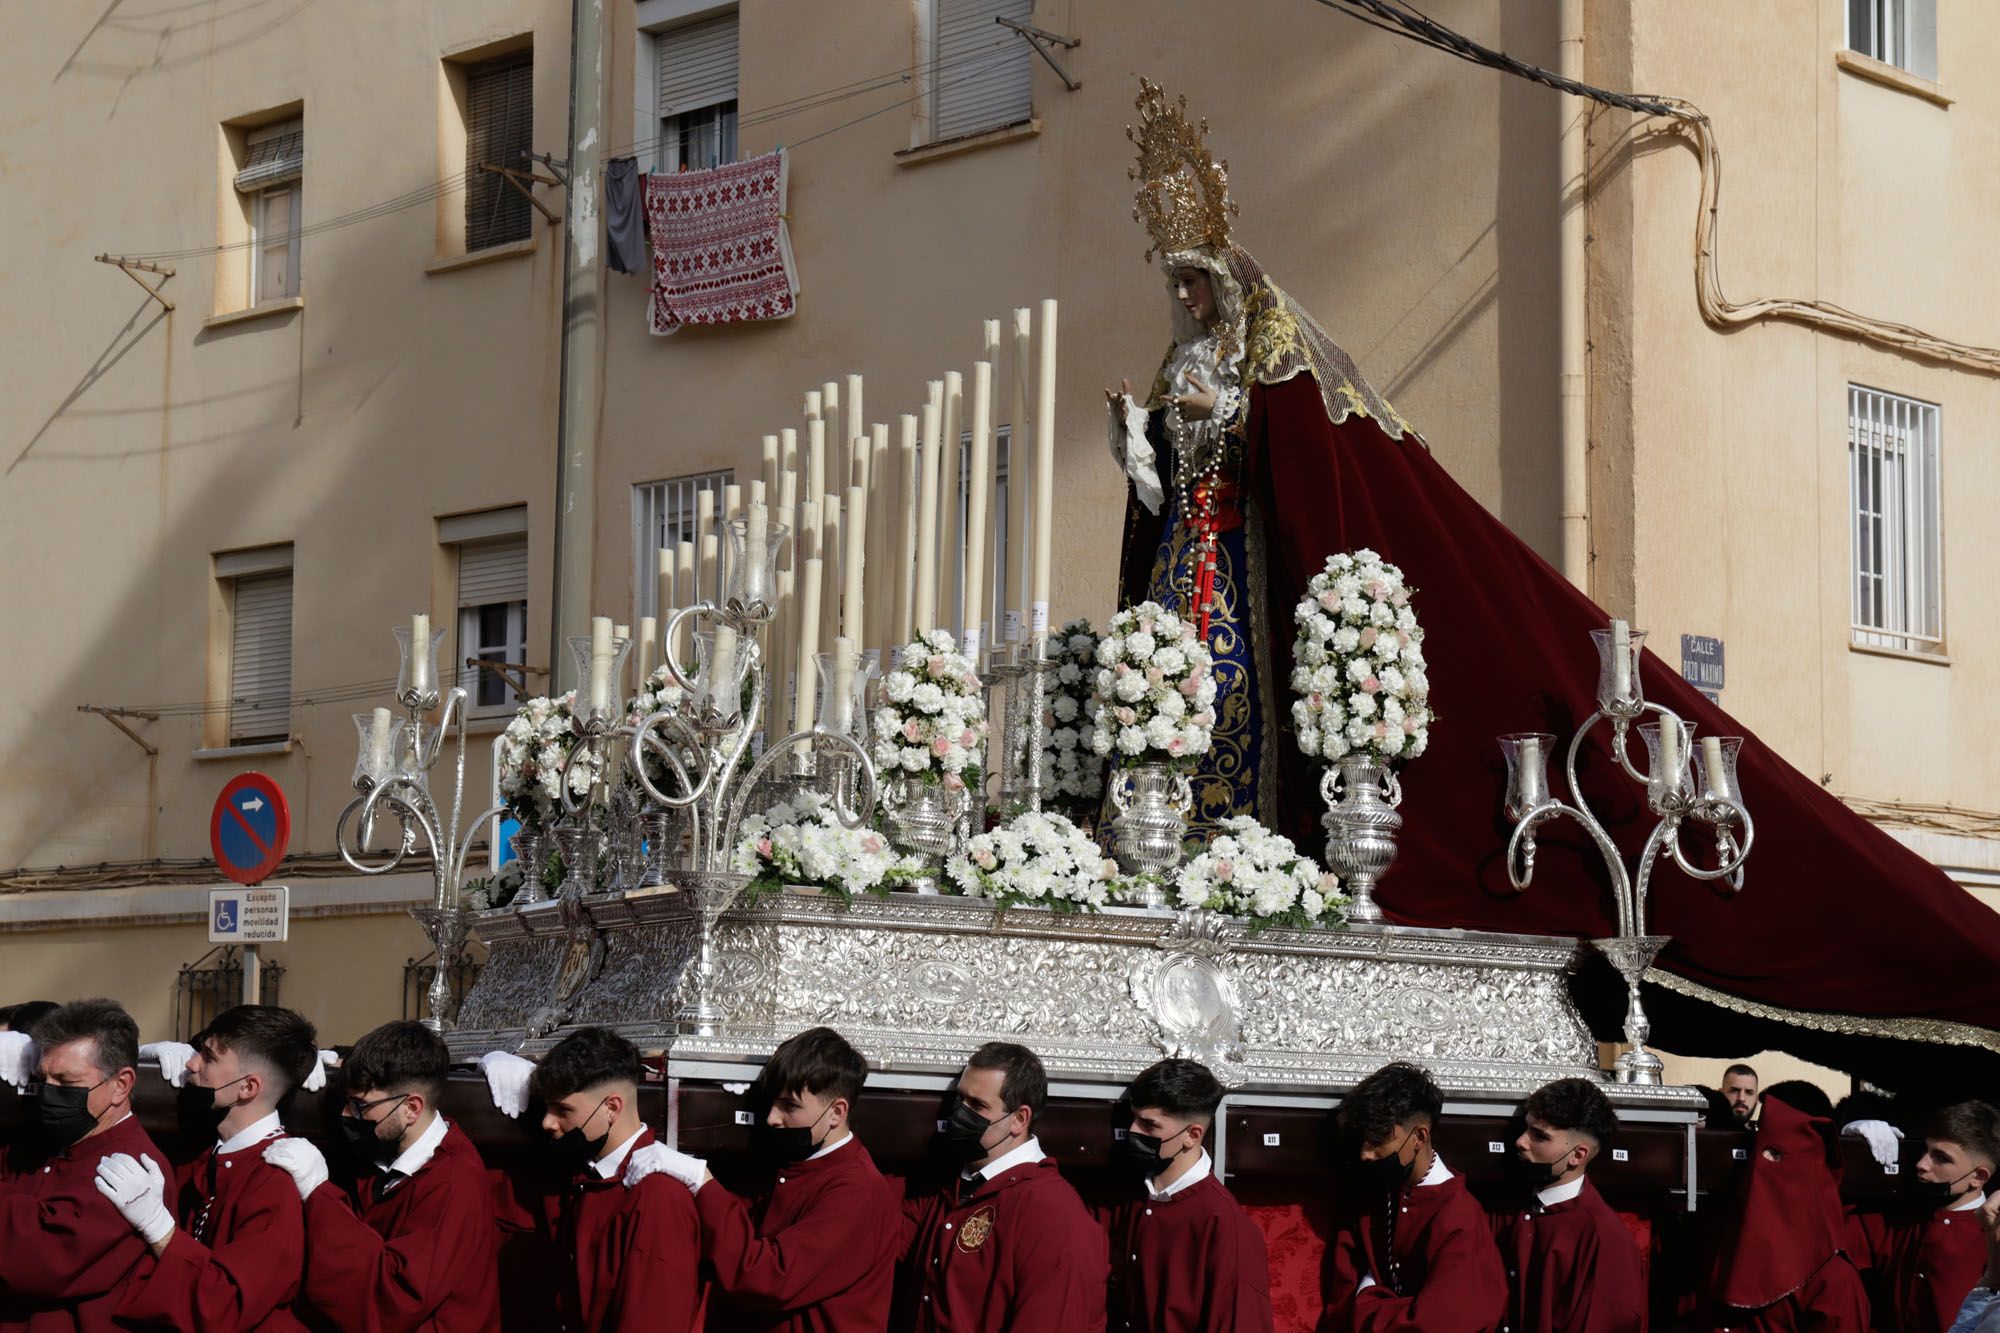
{"points": [[1119, 394], [1198, 405]]}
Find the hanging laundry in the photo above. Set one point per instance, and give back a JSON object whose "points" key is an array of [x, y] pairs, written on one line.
{"points": [[624, 216], [721, 253]]}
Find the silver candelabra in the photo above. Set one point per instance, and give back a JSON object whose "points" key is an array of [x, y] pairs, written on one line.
{"points": [[1683, 783]]}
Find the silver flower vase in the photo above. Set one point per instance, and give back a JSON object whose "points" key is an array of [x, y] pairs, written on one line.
{"points": [[531, 849], [1361, 823], [923, 817], [712, 894], [1632, 955], [1153, 802]]}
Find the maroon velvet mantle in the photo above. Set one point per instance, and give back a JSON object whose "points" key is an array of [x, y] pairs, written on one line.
{"points": [[1834, 915]]}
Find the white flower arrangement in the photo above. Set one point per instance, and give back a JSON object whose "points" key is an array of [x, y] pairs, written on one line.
{"points": [[1247, 870], [659, 693], [1035, 858], [1358, 663], [803, 842], [931, 725], [532, 749], [1153, 694], [1075, 770]]}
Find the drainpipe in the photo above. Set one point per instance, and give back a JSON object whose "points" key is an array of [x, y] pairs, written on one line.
{"points": [[1572, 301]]}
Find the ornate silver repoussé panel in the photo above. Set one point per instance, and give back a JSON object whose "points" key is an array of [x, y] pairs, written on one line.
{"points": [[917, 981]]}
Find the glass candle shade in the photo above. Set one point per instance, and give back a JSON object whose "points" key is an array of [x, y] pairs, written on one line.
{"points": [[1662, 784], [1716, 759], [379, 740], [843, 695], [752, 563], [418, 675], [598, 693], [724, 659], [1618, 688], [1527, 755]]}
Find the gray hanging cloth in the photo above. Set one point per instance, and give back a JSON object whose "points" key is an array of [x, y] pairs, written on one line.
{"points": [[624, 216]]}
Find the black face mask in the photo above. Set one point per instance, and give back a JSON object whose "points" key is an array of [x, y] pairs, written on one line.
{"points": [[196, 1112], [1389, 1171], [1141, 1153], [61, 1116], [784, 1145], [572, 1150], [964, 1134], [1529, 1174], [362, 1139], [1933, 1193]]}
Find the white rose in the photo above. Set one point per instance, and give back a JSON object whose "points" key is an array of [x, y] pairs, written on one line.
{"points": [[898, 686], [1131, 740]]}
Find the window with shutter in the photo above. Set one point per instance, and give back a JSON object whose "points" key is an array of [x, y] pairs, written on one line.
{"points": [[697, 94], [1902, 33], [981, 72], [492, 618], [499, 131], [273, 166], [260, 659], [662, 518]]}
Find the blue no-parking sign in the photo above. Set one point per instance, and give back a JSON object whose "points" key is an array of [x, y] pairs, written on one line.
{"points": [[249, 828]]}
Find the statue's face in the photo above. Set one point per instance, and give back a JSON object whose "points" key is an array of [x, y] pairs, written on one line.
{"points": [[1193, 291]]}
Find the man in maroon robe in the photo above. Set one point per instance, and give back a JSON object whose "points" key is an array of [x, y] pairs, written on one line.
{"points": [[816, 1252], [1185, 1257], [65, 1253], [1782, 1265], [1927, 1255], [1413, 1249], [631, 1257], [230, 1234], [406, 1244], [1572, 1267], [1004, 1245]]}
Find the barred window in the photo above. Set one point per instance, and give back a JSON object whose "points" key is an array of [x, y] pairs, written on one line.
{"points": [[1892, 454]]}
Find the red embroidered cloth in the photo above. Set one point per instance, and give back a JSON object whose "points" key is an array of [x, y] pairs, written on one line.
{"points": [[720, 251]]}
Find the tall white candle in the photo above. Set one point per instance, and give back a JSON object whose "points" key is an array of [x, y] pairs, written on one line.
{"points": [[783, 624], [722, 670], [758, 492], [707, 558], [1621, 660], [832, 548], [881, 530], [1670, 752], [621, 632], [600, 664], [378, 743], [906, 531], [649, 639], [420, 653], [1045, 468], [683, 645], [1711, 766], [663, 586], [951, 487], [732, 508], [704, 550], [767, 467], [924, 612], [809, 599], [815, 478], [829, 405], [851, 611], [812, 405], [977, 498], [756, 537], [852, 403], [1020, 472], [840, 708], [788, 451]]}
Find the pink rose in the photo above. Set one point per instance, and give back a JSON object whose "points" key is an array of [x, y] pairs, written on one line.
{"points": [[1189, 686], [953, 782], [1225, 870], [941, 746], [1381, 729], [1371, 685], [1107, 869], [1126, 716], [1368, 637], [1155, 677], [1176, 745], [911, 730], [1317, 700], [1410, 724], [1402, 638], [1376, 588], [938, 668], [1330, 600], [985, 859], [1145, 627], [966, 739], [1401, 598], [1205, 718], [872, 843], [1124, 669], [764, 848], [1329, 883]]}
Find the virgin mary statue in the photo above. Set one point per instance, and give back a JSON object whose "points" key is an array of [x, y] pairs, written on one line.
{"points": [[1198, 539]]}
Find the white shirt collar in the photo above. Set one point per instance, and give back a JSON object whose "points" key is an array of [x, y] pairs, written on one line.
{"points": [[1027, 1154], [418, 1155], [1972, 1201], [1438, 1174], [612, 1163], [845, 1138], [257, 1133], [1197, 1173], [1556, 1194]]}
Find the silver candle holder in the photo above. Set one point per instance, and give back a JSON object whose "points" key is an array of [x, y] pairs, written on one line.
{"points": [[1684, 785], [394, 777]]}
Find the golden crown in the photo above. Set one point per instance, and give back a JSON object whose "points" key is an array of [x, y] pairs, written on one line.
{"points": [[1183, 196]]}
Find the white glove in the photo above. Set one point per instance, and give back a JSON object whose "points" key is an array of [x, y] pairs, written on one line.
{"points": [[317, 1078], [1884, 1139], [301, 1161], [173, 1057], [139, 1192], [17, 1059], [690, 1171], [507, 1076]]}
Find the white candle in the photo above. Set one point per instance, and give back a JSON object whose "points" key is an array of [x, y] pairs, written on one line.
{"points": [[684, 597], [756, 536], [809, 595], [815, 480], [600, 664], [663, 584], [1020, 469], [840, 708], [1531, 755], [832, 546], [951, 487], [704, 546], [1711, 765], [976, 500], [881, 527], [722, 696], [649, 638], [420, 654], [621, 632], [924, 608], [829, 407], [778, 710], [378, 743], [906, 530], [856, 559], [1045, 468], [1621, 661], [731, 509], [767, 468], [788, 451], [812, 405], [1670, 752], [853, 404]]}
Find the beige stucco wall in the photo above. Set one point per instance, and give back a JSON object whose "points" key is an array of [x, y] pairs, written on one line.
{"points": [[1407, 199]]}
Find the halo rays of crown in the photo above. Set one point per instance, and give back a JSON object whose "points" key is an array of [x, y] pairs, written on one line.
{"points": [[1183, 195]]}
